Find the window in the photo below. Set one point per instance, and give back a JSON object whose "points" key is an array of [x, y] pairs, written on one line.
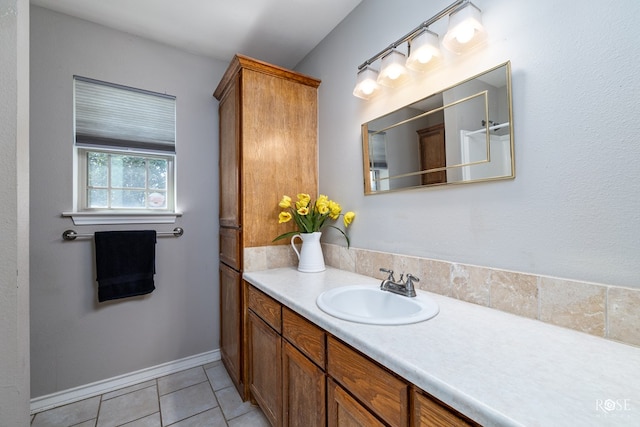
{"points": [[125, 181], [125, 150]]}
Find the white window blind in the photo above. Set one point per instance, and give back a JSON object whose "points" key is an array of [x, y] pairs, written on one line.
{"points": [[111, 115]]}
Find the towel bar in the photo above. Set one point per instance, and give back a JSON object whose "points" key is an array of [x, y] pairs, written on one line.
{"points": [[72, 235]]}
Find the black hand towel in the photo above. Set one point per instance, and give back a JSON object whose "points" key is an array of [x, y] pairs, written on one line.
{"points": [[125, 263]]}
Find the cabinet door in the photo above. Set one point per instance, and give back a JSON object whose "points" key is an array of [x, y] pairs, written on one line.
{"points": [[231, 324], [230, 156], [303, 390], [344, 411], [280, 151], [429, 412], [265, 368]]}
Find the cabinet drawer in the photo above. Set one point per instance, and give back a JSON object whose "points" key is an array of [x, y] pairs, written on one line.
{"points": [[382, 392], [230, 247], [306, 336], [266, 307]]}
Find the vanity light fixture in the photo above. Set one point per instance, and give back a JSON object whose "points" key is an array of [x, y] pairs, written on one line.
{"points": [[465, 31]]}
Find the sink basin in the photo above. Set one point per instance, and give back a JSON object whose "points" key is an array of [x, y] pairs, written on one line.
{"points": [[369, 304]]}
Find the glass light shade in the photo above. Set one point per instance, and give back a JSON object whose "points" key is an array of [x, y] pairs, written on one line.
{"points": [[465, 29], [424, 51], [366, 83], [393, 73]]}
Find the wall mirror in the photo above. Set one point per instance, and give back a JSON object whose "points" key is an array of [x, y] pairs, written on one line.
{"points": [[462, 134]]}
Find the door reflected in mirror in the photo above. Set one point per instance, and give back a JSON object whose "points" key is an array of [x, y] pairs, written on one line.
{"points": [[462, 134]]}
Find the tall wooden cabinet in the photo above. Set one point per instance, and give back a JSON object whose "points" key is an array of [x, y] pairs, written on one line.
{"points": [[268, 148]]}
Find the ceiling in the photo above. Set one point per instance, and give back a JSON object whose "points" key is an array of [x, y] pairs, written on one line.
{"points": [[282, 32]]}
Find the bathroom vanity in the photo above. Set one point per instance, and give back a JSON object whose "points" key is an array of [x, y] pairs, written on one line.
{"points": [[468, 365], [314, 364]]}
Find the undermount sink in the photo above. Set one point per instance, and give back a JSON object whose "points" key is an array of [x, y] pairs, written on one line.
{"points": [[370, 304]]}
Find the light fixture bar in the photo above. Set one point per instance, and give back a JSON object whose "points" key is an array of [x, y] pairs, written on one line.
{"points": [[444, 12]]}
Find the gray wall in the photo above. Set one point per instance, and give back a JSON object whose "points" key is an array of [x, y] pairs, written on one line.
{"points": [[75, 340], [14, 213], [573, 210]]}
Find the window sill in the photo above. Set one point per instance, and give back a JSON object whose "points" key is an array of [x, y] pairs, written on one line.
{"points": [[99, 218]]}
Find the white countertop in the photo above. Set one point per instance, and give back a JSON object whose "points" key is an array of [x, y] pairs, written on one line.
{"points": [[497, 368]]}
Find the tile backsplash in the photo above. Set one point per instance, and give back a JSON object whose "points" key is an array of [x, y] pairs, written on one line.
{"points": [[605, 311]]}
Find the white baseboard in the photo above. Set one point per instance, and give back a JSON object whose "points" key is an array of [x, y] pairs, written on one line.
{"points": [[75, 394]]}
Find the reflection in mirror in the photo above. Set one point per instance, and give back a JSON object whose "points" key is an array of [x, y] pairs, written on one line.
{"points": [[460, 135]]}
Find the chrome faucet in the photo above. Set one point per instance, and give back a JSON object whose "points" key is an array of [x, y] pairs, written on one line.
{"points": [[404, 288]]}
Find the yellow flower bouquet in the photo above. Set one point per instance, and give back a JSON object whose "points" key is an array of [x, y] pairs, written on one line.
{"points": [[312, 217]]}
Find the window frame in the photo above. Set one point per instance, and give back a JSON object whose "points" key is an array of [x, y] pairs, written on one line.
{"points": [[85, 215], [83, 179]]}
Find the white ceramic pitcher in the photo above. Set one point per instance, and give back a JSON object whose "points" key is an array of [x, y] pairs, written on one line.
{"points": [[310, 259]]}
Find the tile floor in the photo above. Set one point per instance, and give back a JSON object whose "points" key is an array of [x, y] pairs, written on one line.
{"points": [[198, 397]]}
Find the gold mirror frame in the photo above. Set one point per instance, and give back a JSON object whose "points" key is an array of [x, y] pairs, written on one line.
{"points": [[462, 134]]}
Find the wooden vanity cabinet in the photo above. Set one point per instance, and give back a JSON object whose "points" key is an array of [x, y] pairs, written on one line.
{"points": [[284, 377], [301, 376], [268, 148]]}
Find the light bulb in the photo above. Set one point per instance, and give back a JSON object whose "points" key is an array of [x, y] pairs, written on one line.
{"points": [[465, 29], [366, 84], [424, 51], [424, 56], [368, 87], [393, 72], [465, 33]]}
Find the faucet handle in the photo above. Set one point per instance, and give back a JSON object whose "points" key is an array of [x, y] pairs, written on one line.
{"points": [[390, 272], [411, 278], [409, 284]]}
